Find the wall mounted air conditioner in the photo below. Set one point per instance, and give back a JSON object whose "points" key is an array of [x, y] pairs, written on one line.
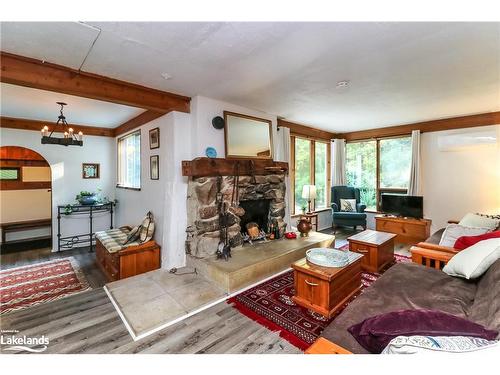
{"points": [[459, 141]]}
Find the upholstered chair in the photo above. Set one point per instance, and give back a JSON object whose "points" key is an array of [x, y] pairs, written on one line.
{"points": [[343, 218]]}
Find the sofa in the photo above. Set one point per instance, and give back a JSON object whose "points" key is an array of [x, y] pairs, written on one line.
{"points": [[413, 286], [347, 219]]}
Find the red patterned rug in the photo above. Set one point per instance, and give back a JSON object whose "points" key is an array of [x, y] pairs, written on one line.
{"points": [[27, 286], [271, 305]]}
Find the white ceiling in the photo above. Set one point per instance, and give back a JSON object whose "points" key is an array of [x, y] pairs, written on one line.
{"points": [[398, 72], [33, 104]]}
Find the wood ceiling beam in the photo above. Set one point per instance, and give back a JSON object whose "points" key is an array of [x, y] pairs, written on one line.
{"points": [[306, 131], [483, 119], [24, 71], [137, 121], [36, 125]]}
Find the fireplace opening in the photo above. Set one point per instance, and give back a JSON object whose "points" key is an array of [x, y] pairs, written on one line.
{"points": [[256, 211]]}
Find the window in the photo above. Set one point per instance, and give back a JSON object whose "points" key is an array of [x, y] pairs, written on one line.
{"points": [[129, 161], [361, 170], [378, 166], [10, 174], [311, 167]]}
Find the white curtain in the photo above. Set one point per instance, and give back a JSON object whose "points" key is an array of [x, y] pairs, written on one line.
{"points": [[338, 162], [283, 154], [414, 183]]}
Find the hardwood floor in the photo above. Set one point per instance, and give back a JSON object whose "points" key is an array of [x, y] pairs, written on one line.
{"points": [[85, 260], [88, 323]]}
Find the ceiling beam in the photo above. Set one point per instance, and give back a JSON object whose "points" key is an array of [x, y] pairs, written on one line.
{"points": [[24, 71], [306, 131], [37, 125], [483, 119], [137, 121]]}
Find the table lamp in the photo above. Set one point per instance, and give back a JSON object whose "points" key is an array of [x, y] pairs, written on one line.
{"points": [[309, 193]]}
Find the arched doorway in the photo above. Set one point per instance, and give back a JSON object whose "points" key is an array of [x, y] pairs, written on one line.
{"points": [[26, 200]]}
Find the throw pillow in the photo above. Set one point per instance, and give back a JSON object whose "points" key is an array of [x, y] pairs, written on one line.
{"points": [[466, 241], [375, 333], [454, 231], [133, 235], [429, 344], [147, 228], [475, 260], [478, 220], [348, 205]]}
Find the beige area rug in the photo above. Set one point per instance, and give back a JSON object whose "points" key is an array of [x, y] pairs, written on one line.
{"points": [[157, 299]]}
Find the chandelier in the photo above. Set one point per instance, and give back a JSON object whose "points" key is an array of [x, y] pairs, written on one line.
{"points": [[70, 138]]}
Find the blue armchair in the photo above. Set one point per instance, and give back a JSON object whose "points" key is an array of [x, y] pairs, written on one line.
{"points": [[347, 219]]}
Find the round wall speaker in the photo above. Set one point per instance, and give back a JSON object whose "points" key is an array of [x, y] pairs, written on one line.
{"points": [[218, 122]]}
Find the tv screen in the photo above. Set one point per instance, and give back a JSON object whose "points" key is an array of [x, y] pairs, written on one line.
{"points": [[403, 205]]}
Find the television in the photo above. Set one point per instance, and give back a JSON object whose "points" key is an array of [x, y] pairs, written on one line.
{"points": [[403, 205]]}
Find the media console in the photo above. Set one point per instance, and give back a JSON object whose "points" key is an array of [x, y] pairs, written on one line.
{"points": [[408, 230]]}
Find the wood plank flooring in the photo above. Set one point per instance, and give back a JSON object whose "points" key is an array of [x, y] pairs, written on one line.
{"points": [[88, 323]]}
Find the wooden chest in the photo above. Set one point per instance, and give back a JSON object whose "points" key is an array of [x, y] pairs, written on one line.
{"points": [[131, 261], [408, 230], [325, 289], [377, 248]]}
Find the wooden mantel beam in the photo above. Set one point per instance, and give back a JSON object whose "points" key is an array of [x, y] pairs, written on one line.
{"points": [[24, 71], [37, 125]]}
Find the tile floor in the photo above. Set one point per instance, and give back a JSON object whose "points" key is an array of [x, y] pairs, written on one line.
{"points": [[153, 299]]}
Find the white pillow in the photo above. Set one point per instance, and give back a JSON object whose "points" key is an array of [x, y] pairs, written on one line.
{"points": [[475, 220], [454, 231], [437, 344], [475, 260], [348, 205]]}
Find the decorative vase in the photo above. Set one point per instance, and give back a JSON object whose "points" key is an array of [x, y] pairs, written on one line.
{"points": [[87, 200], [304, 226]]}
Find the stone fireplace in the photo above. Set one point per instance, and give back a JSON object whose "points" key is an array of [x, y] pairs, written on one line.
{"points": [[261, 196]]}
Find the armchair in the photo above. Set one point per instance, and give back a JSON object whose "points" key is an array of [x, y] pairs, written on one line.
{"points": [[347, 219]]}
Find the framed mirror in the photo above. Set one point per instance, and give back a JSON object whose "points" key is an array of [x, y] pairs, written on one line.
{"points": [[247, 137]]}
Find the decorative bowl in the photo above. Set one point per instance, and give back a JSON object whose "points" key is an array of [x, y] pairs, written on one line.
{"points": [[87, 200], [327, 257]]}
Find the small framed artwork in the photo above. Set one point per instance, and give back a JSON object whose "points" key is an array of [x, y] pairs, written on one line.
{"points": [[90, 170], [154, 167], [154, 138]]}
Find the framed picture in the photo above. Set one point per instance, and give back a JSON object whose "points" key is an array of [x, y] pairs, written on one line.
{"points": [[154, 167], [154, 138], [90, 170]]}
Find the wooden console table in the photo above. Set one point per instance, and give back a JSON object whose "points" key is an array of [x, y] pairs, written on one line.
{"points": [[407, 230]]}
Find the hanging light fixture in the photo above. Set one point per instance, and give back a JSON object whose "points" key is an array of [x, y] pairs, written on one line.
{"points": [[70, 138]]}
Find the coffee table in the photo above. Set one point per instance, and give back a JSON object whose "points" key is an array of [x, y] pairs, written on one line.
{"points": [[377, 248], [325, 289]]}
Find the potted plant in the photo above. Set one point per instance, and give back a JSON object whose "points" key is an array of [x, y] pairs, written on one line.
{"points": [[86, 198]]}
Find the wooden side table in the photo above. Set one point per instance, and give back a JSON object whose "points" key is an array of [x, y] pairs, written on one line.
{"points": [[309, 217], [325, 289], [377, 248]]}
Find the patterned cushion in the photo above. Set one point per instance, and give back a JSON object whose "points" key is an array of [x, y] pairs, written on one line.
{"points": [[133, 235], [450, 344], [147, 228], [114, 239], [348, 205]]}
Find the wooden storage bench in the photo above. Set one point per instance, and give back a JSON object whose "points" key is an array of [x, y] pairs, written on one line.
{"points": [[129, 261]]}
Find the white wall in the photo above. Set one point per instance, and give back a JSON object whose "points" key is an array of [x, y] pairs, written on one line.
{"points": [[457, 182], [166, 197], [203, 110], [67, 181]]}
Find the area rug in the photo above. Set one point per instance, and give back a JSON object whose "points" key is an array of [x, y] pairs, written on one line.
{"points": [[271, 305], [27, 286]]}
